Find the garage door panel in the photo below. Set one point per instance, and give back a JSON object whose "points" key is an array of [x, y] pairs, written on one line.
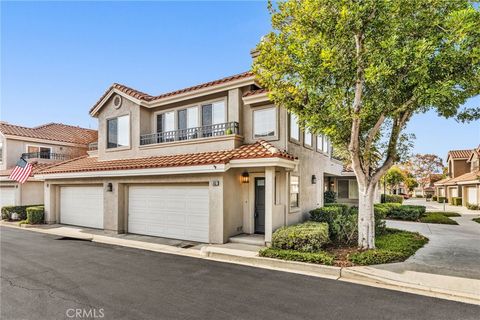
{"points": [[7, 196], [180, 212], [82, 206], [472, 195]]}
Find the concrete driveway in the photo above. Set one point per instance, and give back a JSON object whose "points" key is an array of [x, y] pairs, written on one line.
{"points": [[453, 250]]}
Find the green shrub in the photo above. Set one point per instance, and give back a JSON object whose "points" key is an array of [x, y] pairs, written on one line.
{"points": [[393, 246], [429, 196], [406, 212], [434, 198], [341, 220], [329, 197], [477, 220], [441, 199], [472, 206], [306, 237], [446, 213], [456, 201], [7, 211], [437, 217], [292, 255], [419, 196], [325, 214], [35, 214], [384, 209], [391, 198], [342, 206]]}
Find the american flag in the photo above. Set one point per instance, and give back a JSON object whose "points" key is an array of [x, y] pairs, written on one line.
{"points": [[22, 171]]}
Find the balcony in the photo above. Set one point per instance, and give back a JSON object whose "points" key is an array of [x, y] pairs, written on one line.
{"points": [[93, 146], [214, 130], [46, 156]]}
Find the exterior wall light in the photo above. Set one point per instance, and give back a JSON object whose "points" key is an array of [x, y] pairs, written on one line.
{"points": [[109, 187], [314, 179], [245, 177]]}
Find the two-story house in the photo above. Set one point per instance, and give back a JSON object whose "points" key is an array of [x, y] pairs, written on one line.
{"points": [[42, 146], [463, 177], [204, 163]]}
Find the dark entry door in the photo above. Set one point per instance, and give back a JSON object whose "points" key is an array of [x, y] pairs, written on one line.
{"points": [[259, 205]]}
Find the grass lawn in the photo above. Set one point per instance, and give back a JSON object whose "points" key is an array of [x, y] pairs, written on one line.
{"points": [[393, 246], [476, 219], [438, 217], [447, 213]]}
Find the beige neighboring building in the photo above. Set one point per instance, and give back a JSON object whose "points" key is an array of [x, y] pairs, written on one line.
{"points": [[205, 163], [41, 146], [463, 177]]}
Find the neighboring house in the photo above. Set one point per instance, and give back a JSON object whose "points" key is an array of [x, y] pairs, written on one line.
{"points": [[42, 146], [463, 177], [203, 164], [428, 188]]}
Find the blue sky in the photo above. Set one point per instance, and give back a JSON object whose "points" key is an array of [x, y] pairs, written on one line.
{"points": [[57, 58]]}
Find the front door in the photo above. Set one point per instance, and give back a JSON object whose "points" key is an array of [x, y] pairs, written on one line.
{"points": [[259, 205]]}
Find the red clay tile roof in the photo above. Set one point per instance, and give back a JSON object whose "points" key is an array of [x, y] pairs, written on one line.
{"points": [[52, 131], [469, 176], [460, 154], [260, 149], [146, 97], [37, 167], [254, 92]]}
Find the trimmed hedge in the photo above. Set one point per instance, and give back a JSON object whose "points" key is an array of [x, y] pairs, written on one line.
{"points": [[456, 201], [292, 255], [441, 199], [406, 212], [329, 197], [477, 220], [7, 211], [391, 198], [434, 198], [35, 215], [306, 237], [472, 206]]}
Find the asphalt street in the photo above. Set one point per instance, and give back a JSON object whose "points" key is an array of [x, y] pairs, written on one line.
{"points": [[45, 277]]}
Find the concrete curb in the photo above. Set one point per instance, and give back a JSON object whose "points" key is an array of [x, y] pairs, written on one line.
{"points": [[250, 258]]}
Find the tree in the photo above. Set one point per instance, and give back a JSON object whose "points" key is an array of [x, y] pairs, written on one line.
{"points": [[394, 177], [357, 71], [425, 168]]}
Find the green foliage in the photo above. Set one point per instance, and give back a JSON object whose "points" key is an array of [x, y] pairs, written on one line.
{"points": [[344, 207], [477, 220], [434, 198], [446, 213], [441, 199], [393, 246], [306, 237], [456, 201], [437, 217], [472, 206], [406, 212], [292, 255], [35, 214], [330, 197], [394, 176], [7, 211], [391, 198]]}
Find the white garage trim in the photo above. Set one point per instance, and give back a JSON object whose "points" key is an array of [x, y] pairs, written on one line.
{"points": [[472, 197], [177, 212], [82, 206]]}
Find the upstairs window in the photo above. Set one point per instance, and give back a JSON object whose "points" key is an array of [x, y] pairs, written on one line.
{"points": [[166, 122], [294, 128], [213, 113], [323, 143], [265, 123], [308, 138], [39, 152], [326, 144], [118, 132]]}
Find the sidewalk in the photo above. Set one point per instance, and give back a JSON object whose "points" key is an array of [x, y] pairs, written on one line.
{"points": [[435, 285]]}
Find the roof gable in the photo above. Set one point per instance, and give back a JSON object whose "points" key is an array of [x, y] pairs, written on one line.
{"points": [[459, 154]]}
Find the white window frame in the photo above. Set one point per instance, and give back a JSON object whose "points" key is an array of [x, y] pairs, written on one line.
{"points": [[275, 135], [36, 146], [129, 145], [352, 192], [297, 193], [292, 118], [305, 139]]}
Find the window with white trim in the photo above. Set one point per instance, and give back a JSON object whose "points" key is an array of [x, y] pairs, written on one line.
{"points": [[347, 189], [294, 191], [308, 138], [265, 123], [294, 128], [118, 132]]}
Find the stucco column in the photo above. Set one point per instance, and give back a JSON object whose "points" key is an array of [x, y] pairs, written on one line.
{"points": [[269, 199], [50, 203]]}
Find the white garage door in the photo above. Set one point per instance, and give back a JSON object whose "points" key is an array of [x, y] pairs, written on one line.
{"points": [[82, 206], [472, 195], [178, 212], [7, 196]]}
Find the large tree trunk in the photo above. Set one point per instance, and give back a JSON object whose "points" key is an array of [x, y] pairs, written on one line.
{"points": [[366, 219]]}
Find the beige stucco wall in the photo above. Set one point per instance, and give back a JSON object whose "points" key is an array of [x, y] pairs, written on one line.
{"points": [[32, 193], [13, 149]]}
